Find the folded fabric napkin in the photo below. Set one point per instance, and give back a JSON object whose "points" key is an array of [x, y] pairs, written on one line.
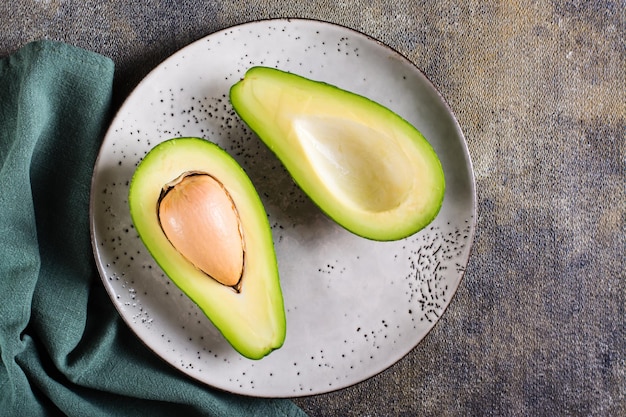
{"points": [[64, 349]]}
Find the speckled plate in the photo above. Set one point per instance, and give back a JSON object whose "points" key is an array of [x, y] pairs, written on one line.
{"points": [[354, 307]]}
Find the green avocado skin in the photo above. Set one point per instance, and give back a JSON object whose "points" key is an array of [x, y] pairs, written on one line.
{"points": [[288, 111], [251, 319]]}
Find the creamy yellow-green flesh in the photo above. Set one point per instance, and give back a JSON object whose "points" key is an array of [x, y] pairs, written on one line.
{"points": [[362, 164], [253, 319]]}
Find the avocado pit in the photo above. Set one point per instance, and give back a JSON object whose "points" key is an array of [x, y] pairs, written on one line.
{"points": [[199, 218]]}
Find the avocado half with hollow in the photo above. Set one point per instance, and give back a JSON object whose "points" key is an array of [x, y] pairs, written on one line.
{"points": [[199, 215], [362, 164]]}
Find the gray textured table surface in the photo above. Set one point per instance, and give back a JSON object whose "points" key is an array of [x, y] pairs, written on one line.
{"points": [[537, 326]]}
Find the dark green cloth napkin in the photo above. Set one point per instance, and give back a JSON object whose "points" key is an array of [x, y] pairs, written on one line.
{"points": [[64, 348]]}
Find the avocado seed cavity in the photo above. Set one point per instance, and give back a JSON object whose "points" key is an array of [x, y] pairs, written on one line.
{"points": [[366, 169], [199, 218]]}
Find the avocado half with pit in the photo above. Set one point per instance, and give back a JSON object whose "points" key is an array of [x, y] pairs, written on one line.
{"points": [[366, 167], [200, 217]]}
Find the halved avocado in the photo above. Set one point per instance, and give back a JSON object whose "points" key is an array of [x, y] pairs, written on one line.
{"points": [[200, 217], [361, 163]]}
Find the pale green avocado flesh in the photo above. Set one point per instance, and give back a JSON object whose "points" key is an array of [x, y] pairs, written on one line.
{"points": [[250, 315], [362, 164]]}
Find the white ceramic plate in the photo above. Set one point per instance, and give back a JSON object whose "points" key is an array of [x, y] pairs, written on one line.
{"points": [[354, 307]]}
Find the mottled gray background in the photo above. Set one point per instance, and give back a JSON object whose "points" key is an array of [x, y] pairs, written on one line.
{"points": [[537, 326]]}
